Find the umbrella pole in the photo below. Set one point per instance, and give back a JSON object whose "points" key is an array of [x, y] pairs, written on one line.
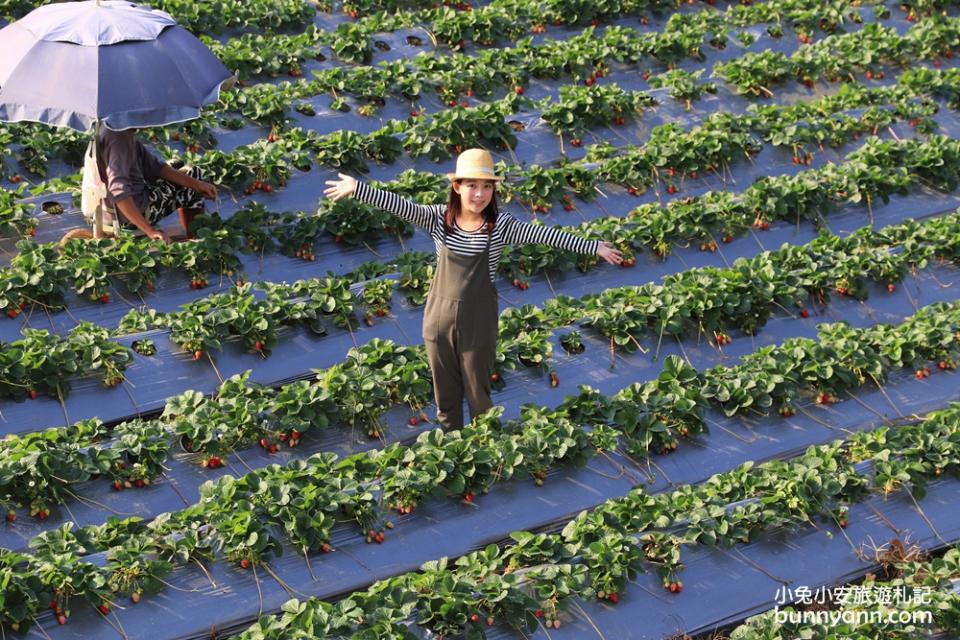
{"points": [[98, 213]]}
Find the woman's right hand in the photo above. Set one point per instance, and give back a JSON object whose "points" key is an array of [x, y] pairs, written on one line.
{"points": [[345, 186]]}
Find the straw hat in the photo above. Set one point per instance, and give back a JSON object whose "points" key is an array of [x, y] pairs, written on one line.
{"points": [[476, 164]]}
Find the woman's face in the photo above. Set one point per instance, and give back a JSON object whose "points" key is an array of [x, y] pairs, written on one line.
{"points": [[475, 195]]}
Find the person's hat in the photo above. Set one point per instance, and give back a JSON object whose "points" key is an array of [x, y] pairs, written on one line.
{"points": [[475, 164]]}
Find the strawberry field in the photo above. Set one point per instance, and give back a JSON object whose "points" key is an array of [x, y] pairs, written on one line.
{"points": [[234, 436]]}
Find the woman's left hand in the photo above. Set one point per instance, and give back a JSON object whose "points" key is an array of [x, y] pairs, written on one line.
{"points": [[608, 253]]}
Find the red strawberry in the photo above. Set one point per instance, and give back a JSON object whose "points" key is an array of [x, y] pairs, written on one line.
{"points": [[468, 497], [43, 514], [244, 564], [475, 618], [140, 484], [33, 394], [804, 313], [104, 609], [258, 345], [412, 421], [338, 238], [294, 435], [942, 365], [494, 377], [538, 613], [524, 286], [197, 354], [518, 90], [117, 485], [11, 516], [12, 313], [844, 523], [61, 619], [891, 287], [272, 448], [414, 113], [105, 298], [614, 598], [325, 547]]}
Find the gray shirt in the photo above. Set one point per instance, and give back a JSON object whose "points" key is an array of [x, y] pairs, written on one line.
{"points": [[126, 167]]}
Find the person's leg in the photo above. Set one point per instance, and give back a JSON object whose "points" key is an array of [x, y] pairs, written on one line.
{"points": [[189, 202], [444, 362], [477, 366], [161, 201], [164, 198], [447, 382]]}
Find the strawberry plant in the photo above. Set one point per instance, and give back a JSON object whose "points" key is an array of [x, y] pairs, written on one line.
{"points": [[683, 85], [377, 296], [132, 570], [453, 130], [572, 342], [582, 108], [15, 215]]}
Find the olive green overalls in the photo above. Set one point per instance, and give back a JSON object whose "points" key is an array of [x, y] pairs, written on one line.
{"points": [[460, 334]]}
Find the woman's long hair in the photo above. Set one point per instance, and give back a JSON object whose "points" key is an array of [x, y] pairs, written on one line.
{"points": [[453, 210]]}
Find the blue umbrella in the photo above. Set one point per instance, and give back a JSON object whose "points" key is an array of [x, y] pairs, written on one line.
{"points": [[75, 64]]}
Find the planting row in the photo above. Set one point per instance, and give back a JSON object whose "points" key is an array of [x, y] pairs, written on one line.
{"points": [[528, 583], [40, 274], [894, 604], [699, 300], [584, 57], [266, 164], [682, 36], [242, 518], [270, 104], [41, 363], [836, 58], [711, 301], [358, 392]]}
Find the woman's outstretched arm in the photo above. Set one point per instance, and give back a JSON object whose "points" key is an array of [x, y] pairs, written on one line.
{"points": [[423, 216], [517, 232]]}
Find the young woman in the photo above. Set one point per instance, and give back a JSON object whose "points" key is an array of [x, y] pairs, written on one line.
{"points": [[461, 317]]}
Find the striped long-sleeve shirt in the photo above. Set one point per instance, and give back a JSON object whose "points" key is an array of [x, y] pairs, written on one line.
{"points": [[508, 229]]}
